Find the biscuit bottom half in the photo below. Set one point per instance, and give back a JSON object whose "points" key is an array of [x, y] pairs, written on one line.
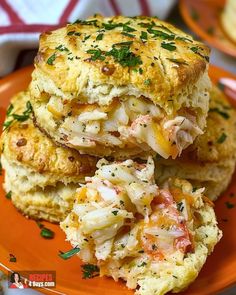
{"points": [[155, 238]]}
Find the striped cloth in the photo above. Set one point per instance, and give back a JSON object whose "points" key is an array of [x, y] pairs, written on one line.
{"points": [[21, 21]]}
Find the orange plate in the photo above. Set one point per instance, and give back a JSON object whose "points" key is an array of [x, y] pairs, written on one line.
{"points": [[20, 236], [203, 17]]}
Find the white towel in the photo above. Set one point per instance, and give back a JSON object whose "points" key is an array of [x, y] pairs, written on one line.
{"points": [[21, 21]]}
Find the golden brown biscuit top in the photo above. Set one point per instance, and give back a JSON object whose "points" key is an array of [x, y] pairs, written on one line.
{"points": [[152, 57], [21, 141], [219, 139]]}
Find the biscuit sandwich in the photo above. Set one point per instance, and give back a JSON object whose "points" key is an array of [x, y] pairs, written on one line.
{"points": [[155, 238], [40, 176], [123, 87]]}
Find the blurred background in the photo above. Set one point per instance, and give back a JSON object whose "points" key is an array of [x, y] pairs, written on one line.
{"points": [[22, 21]]}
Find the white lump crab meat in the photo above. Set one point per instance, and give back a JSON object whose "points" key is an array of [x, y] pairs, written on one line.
{"points": [[156, 239]]}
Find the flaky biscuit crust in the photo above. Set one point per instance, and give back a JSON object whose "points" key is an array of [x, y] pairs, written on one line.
{"points": [[24, 143], [64, 57]]}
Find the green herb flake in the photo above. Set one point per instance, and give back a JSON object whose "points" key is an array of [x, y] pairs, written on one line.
{"points": [[89, 271], [0, 168], [194, 14], [178, 61], [128, 35], [99, 36], [46, 233], [92, 22], [142, 264], [229, 205], [12, 258], [196, 50], [144, 35], [127, 28], [124, 56], [86, 38], [160, 34], [8, 195], [96, 54], [185, 39], [51, 59], [126, 43], [221, 113], [115, 212], [222, 138], [69, 254], [147, 82], [9, 110], [7, 124], [62, 48], [168, 46], [140, 70]]}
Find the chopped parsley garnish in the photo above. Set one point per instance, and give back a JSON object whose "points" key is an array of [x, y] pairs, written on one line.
{"points": [[144, 35], [8, 195], [46, 233], [89, 271], [140, 70], [142, 264], [115, 212], [86, 37], [127, 28], [124, 56], [229, 205], [221, 113], [222, 138], [162, 35], [10, 109], [12, 258], [196, 50], [183, 39], [178, 61], [168, 46], [0, 168], [128, 35], [92, 22], [21, 118], [51, 59], [96, 54], [126, 43], [69, 254], [99, 36], [73, 33], [62, 48], [147, 82]]}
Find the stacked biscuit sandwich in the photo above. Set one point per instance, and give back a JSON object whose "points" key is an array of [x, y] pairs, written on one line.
{"points": [[108, 139]]}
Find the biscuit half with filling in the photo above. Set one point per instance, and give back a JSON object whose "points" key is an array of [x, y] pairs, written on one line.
{"points": [[41, 176], [155, 238], [210, 161], [121, 87]]}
